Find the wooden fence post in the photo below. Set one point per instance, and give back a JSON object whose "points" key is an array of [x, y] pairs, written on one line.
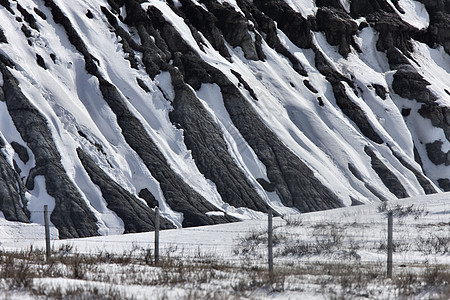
{"points": [[47, 234], [270, 242], [390, 247], [156, 235]]}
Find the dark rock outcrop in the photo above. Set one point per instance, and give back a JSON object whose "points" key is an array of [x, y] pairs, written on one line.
{"points": [[355, 172], [360, 8], [26, 31], [435, 154], [380, 91], [149, 198], [354, 112], [292, 23], [367, 185], [245, 84], [423, 181], [201, 134], [394, 39], [386, 175], [438, 32], [29, 18], [136, 216], [13, 203], [41, 62], [178, 194], [393, 32], [7, 5], [439, 116], [209, 149], [339, 28], [294, 182], [335, 4], [309, 86], [71, 215], [40, 13], [444, 183], [266, 26], [3, 38], [409, 84], [21, 151], [151, 42], [206, 23], [235, 28], [128, 44], [348, 107]]}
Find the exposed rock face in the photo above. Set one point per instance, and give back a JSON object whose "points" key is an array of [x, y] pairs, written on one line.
{"points": [[149, 198], [423, 181], [13, 203], [136, 216], [206, 23], [29, 18], [71, 215], [351, 109], [209, 149], [21, 151], [363, 8], [2, 37], [268, 28], [7, 5], [444, 183], [294, 182], [339, 28], [142, 120], [395, 39], [292, 23], [434, 151], [438, 31], [439, 116], [178, 194], [386, 175]]}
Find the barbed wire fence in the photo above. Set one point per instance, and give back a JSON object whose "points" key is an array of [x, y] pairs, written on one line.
{"points": [[275, 244]]}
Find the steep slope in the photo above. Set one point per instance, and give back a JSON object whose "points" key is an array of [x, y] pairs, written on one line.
{"points": [[217, 110]]}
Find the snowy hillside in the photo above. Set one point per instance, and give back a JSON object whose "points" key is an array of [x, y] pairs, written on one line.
{"points": [[217, 110]]}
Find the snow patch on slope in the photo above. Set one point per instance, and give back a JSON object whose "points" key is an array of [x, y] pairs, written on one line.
{"points": [[305, 7], [414, 13], [346, 5]]}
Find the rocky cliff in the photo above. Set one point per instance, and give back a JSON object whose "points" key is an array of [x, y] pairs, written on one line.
{"points": [[216, 111]]}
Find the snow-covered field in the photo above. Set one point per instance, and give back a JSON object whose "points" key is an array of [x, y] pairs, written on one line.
{"points": [[322, 255]]}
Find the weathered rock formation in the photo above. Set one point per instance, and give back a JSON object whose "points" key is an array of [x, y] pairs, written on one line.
{"points": [[212, 110], [13, 203]]}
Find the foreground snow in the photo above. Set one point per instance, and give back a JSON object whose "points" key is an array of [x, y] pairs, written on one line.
{"points": [[318, 255]]}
